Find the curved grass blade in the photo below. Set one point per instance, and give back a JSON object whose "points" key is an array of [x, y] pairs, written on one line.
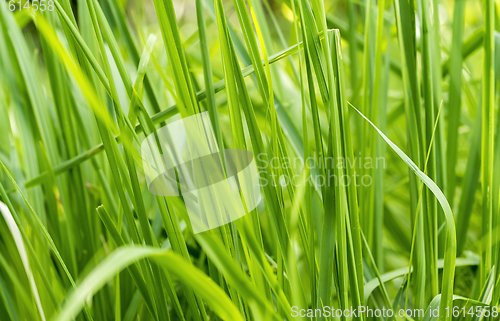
{"points": [[18, 239], [371, 285], [451, 247], [121, 258]]}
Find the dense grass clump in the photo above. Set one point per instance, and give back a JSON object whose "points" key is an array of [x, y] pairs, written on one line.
{"points": [[374, 129]]}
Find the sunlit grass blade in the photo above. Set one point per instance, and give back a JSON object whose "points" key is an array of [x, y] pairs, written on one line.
{"points": [[450, 248], [487, 137]]}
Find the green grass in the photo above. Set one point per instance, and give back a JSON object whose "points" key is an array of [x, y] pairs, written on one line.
{"points": [[82, 85]]}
